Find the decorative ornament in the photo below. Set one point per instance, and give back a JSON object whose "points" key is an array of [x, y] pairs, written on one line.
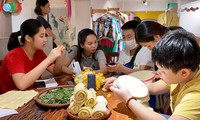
{"points": [[69, 9], [12, 6], [0, 7]]}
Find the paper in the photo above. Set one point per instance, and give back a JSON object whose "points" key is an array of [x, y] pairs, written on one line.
{"points": [[6, 112], [14, 99], [51, 82]]}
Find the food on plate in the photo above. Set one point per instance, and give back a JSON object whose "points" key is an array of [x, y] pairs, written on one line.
{"points": [[93, 107], [85, 112], [99, 110], [91, 98], [83, 78], [57, 96], [80, 93]]}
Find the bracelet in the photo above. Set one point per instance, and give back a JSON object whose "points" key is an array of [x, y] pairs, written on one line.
{"points": [[127, 103]]}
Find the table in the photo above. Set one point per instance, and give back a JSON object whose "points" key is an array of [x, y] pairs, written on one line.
{"points": [[34, 111]]}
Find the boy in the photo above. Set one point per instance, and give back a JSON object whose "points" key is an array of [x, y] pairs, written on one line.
{"points": [[177, 56]]}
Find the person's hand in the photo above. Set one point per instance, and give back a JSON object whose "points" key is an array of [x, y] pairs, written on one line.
{"points": [[56, 52], [114, 68], [157, 77], [109, 81], [121, 92]]}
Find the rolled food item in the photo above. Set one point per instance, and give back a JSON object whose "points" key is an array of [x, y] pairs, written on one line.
{"points": [[74, 108], [80, 93], [85, 112], [91, 98], [99, 110], [101, 99]]}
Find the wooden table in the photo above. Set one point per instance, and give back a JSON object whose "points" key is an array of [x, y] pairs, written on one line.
{"points": [[34, 111]]}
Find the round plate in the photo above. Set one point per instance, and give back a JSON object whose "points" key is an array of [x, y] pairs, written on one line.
{"points": [[51, 105], [75, 117], [136, 87], [144, 75]]}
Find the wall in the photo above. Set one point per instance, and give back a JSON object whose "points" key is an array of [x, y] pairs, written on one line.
{"points": [[5, 30], [190, 20]]}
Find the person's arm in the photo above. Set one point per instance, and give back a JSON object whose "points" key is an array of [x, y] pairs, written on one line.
{"points": [[157, 88], [65, 67], [141, 111], [23, 81], [56, 69], [50, 33], [102, 66]]}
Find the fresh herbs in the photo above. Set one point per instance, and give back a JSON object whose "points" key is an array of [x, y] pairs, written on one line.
{"points": [[57, 96]]}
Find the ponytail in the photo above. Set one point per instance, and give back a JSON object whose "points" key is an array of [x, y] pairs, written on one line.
{"points": [[29, 27], [13, 41]]}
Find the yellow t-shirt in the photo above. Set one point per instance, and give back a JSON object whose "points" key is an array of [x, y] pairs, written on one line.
{"points": [[186, 102]]}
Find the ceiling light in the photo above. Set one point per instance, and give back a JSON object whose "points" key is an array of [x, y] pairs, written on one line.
{"points": [[144, 2]]}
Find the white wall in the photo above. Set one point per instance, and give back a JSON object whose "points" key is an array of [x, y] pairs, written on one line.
{"points": [[190, 20]]}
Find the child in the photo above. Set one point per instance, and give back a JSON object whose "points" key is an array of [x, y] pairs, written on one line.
{"points": [[86, 53], [177, 56], [25, 63], [133, 57]]}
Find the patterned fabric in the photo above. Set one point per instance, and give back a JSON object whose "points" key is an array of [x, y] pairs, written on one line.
{"points": [[109, 27]]}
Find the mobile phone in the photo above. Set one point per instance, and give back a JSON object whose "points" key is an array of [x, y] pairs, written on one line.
{"points": [[39, 84], [111, 63], [76, 67]]}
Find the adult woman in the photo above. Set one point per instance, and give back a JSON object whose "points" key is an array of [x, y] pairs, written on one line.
{"points": [[42, 9], [86, 53], [134, 57], [25, 63], [148, 33]]}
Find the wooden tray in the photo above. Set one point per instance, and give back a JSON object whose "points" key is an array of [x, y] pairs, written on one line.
{"points": [[52, 105], [75, 117]]}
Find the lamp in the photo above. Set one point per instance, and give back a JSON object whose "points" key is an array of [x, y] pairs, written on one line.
{"points": [[144, 2]]}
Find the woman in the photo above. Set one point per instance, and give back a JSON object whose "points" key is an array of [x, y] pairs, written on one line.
{"points": [[148, 33], [86, 53], [41, 10], [133, 57], [25, 62]]}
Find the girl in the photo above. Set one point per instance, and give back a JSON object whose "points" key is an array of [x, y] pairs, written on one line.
{"points": [[24, 64], [86, 53]]}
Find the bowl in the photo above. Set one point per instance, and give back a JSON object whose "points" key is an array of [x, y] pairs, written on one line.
{"points": [[42, 93]]}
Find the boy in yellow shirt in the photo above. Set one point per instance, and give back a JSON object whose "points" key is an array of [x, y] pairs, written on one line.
{"points": [[177, 56]]}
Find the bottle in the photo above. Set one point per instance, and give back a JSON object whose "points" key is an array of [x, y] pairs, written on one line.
{"points": [[91, 81]]}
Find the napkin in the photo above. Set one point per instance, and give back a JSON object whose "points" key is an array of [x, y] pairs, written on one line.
{"points": [[6, 112]]}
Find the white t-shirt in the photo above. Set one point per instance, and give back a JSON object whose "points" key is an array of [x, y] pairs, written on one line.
{"points": [[143, 57]]}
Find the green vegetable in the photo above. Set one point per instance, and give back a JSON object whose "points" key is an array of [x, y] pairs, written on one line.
{"points": [[57, 96]]}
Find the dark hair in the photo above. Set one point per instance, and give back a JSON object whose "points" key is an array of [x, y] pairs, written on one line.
{"points": [[82, 35], [29, 27], [146, 31], [176, 50], [40, 3], [137, 19], [130, 25]]}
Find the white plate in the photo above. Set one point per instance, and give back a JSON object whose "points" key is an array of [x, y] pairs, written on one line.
{"points": [[135, 86], [144, 75]]}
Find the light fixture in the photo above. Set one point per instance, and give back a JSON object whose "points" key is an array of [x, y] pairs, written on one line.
{"points": [[144, 2]]}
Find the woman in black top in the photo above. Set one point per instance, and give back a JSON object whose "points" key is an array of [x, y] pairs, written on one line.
{"points": [[42, 9]]}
